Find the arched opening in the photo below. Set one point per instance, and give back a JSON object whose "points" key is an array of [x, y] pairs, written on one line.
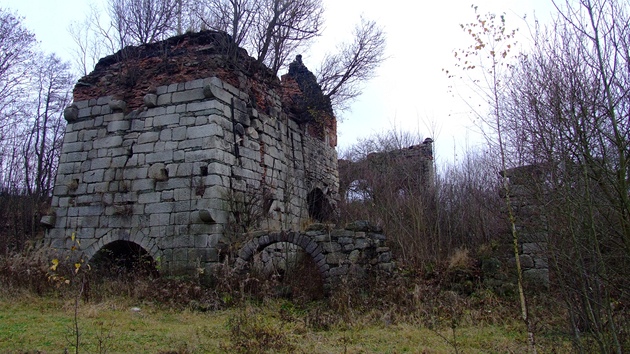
{"points": [[123, 259], [286, 270], [306, 278], [319, 208]]}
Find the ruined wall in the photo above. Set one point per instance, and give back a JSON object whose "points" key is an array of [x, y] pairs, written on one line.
{"points": [[350, 253], [179, 145], [409, 169]]}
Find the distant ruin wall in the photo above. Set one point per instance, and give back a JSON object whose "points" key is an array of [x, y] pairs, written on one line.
{"points": [[174, 167], [409, 169]]}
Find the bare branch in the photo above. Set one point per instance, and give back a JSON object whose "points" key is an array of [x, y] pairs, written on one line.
{"points": [[342, 74], [16, 47], [143, 21]]}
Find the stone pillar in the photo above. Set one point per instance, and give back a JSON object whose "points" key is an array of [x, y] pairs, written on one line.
{"points": [[525, 193]]}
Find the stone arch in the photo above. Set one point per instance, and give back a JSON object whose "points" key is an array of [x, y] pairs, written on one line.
{"points": [[123, 256], [310, 247], [143, 241]]}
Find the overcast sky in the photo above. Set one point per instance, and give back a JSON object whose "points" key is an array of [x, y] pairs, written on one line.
{"points": [[410, 91]]}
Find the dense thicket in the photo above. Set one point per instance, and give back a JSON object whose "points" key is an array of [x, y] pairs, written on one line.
{"points": [[428, 215], [563, 106]]}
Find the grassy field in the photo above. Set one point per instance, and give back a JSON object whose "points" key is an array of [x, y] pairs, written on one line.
{"points": [[44, 324]]}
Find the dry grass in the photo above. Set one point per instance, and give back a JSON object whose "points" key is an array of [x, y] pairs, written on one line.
{"points": [[276, 326], [410, 312]]}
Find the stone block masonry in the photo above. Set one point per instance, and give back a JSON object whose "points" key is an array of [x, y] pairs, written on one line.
{"points": [[351, 252], [177, 167], [531, 224]]}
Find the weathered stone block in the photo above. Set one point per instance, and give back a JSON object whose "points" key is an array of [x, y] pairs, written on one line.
{"points": [[158, 172], [166, 119], [204, 105], [149, 198], [161, 219], [322, 238], [526, 261], [150, 100], [361, 243], [335, 258], [204, 131], [93, 176], [353, 257], [385, 257], [117, 105], [338, 271], [345, 240], [117, 126], [212, 91], [142, 184], [72, 147], [541, 263], [348, 247], [148, 137], [162, 156], [188, 95], [108, 142], [71, 113]]}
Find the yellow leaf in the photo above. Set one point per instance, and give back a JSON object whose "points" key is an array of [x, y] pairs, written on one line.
{"points": [[55, 263], [73, 236], [67, 281]]}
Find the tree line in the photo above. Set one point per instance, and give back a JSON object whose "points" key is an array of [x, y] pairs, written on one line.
{"points": [[34, 90]]}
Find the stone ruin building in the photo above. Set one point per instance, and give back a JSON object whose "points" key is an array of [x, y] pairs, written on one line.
{"points": [[405, 170], [190, 149]]}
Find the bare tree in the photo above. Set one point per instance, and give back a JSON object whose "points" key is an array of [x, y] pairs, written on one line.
{"points": [[16, 46], [143, 21], [489, 55], [235, 17], [43, 129], [275, 30], [88, 48], [94, 37], [283, 27], [566, 112], [272, 30], [51, 94], [341, 74], [34, 90]]}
